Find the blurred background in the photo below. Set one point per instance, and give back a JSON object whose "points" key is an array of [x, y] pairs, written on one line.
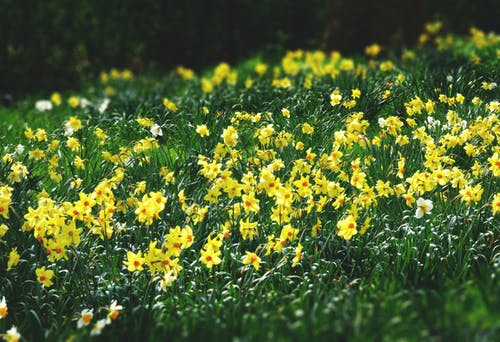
{"points": [[50, 45]]}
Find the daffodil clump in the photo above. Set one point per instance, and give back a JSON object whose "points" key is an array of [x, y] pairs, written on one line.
{"points": [[258, 183]]}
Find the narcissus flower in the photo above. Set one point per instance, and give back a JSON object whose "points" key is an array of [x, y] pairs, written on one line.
{"points": [[85, 318], [202, 130], [253, 259], [13, 258], [114, 310], [12, 335], [298, 255], [210, 257], [44, 276], [134, 261], [423, 207], [156, 130], [347, 227], [3, 308], [495, 205]]}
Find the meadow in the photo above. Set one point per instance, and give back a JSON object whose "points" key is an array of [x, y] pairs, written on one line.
{"points": [[315, 196]]}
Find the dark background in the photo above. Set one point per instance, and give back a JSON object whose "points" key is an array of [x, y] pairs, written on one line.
{"points": [[50, 44]]}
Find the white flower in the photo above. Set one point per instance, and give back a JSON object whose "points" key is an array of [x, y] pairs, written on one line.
{"points": [[84, 102], [43, 105], [156, 130], [3, 308], [19, 149], [423, 207], [104, 106], [12, 334], [167, 280], [68, 129], [85, 318], [381, 122], [98, 326]]}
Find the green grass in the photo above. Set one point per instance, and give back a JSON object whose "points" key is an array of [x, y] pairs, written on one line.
{"points": [[411, 278]]}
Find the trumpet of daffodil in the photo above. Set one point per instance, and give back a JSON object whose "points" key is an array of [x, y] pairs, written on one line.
{"points": [[134, 261], [253, 259], [423, 207], [3, 308], [44, 276]]}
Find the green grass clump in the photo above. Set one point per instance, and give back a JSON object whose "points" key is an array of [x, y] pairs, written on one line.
{"points": [[323, 196]]}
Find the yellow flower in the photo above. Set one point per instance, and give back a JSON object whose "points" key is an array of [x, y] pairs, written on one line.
{"points": [[335, 98], [285, 112], [202, 130], [253, 259], [495, 204], [3, 230], [44, 276], [261, 68], [230, 136], [471, 194], [250, 203], [210, 257], [347, 227], [73, 101], [307, 128], [248, 229], [56, 98], [134, 261], [386, 66], [355, 93], [495, 164], [169, 105], [372, 50], [298, 255], [14, 258], [289, 233]]}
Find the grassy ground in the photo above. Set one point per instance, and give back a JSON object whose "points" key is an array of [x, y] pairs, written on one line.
{"points": [[324, 196]]}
